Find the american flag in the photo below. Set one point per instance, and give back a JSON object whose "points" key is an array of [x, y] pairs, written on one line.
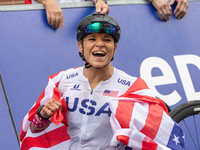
{"points": [[142, 122], [110, 93], [55, 136], [138, 120]]}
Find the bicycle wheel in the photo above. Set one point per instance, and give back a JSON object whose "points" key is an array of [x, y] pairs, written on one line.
{"points": [[186, 115], [168, 108]]}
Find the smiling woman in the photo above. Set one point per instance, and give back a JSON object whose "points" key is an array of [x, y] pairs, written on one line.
{"points": [[98, 49], [100, 106], [104, 43]]}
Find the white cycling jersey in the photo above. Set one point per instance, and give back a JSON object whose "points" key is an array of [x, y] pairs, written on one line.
{"points": [[88, 110]]}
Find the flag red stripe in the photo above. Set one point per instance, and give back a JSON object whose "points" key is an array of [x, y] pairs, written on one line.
{"points": [[153, 121], [47, 140], [56, 94], [151, 145], [124, 139], [124, 112]]}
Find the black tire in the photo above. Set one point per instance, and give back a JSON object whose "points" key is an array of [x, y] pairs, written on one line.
{"points": [[185, 110], [188, 118], [168, 108]]}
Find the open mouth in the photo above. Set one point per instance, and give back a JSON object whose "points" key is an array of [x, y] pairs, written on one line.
{"points": [[99, 54]]}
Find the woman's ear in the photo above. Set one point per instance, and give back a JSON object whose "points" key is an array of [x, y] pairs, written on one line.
{"points": [[80, 46]]}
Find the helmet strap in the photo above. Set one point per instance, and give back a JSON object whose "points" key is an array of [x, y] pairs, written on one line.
{"points": [[87, 65]]}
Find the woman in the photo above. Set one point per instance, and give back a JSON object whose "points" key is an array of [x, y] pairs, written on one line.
{"points": [[88, 90]]}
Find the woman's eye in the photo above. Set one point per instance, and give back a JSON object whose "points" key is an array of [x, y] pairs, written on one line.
{"points": [[91, 39], [107, 40]]}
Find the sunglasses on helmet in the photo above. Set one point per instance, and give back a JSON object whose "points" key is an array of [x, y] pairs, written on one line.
{"points": [[97, 27]]}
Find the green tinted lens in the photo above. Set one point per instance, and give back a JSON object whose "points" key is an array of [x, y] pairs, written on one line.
{"points": [[96, 27]]}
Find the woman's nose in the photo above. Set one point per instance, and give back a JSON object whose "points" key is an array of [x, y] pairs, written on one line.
{"points": [[100, 43]]}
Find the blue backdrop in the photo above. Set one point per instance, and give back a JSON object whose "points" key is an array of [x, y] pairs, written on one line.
{"points": [[165, 54], [8, 140]]}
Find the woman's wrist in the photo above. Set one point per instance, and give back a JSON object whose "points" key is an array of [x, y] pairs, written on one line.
{"points": [[39, 113], [38, 124]]}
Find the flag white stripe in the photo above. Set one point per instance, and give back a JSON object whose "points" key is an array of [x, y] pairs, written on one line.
{"points": [[139, 115], [128, 99], [144, 92], [166, 127], [48, 92]]}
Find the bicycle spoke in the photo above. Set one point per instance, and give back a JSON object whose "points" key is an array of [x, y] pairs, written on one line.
{"points": [[190, 134], [196, 130]]}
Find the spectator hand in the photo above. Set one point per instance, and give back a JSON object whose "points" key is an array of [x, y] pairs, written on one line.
{"points": [[50, 108], [54, 13], [101, 7], [164, 8], [181, 8]]}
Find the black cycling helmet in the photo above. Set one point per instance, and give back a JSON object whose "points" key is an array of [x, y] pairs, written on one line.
{"points": [[104, 23]]}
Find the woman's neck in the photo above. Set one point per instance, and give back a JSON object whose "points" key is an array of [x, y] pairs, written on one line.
{"points": [[95, 76]]}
